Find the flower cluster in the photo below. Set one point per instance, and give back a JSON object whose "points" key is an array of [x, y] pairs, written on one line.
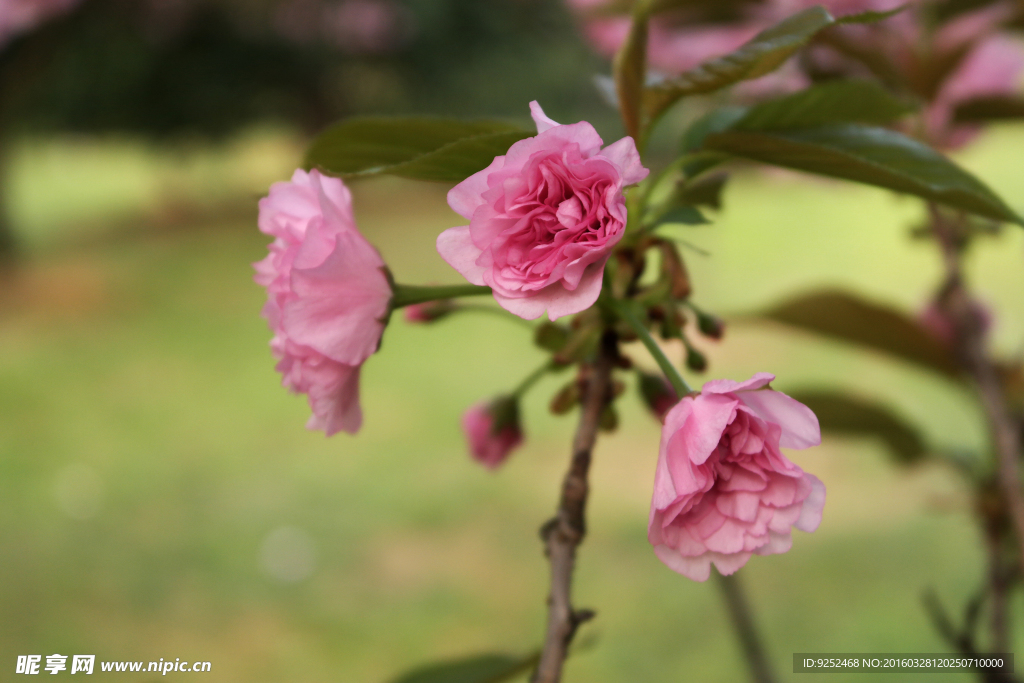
{"points": [[544, 219]]}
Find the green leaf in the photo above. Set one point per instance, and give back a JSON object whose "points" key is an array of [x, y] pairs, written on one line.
{"points": [[445, 150], [870, 17], [630, 71], [841, 414], [687, 215], [487, 668], [874, 156], [715, 121], [828, 103], [983, 109], [848, 318], [704, 191], [763, 54]]}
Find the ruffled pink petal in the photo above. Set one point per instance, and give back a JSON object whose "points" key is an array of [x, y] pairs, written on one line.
{"points": [[540, 118], [623, 154], [798, 422], [709, 417], [814, 505], [465, 198], [339, 305], [695, 568], [455, 245], [727, 386]]}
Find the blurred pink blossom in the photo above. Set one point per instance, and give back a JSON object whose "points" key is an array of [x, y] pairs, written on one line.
{"points": [[327, 295], [492, 431], [937, 323], [353, 26], [19, 16], [723, 490], [992, 68], [544, 218]]}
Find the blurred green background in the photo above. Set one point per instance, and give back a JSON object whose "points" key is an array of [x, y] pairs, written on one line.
{"points": [[159, 496]]}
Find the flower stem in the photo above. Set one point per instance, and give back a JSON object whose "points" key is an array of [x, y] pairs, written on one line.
{"points": [[406, 295], [743, 621], [563, 534], [623, 310], [484, 308], [532, 379]]}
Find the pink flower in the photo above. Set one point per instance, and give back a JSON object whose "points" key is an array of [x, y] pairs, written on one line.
{"points": [[544, 218], [993, 67], [492, 430], [723, 490], [18, 16], [327, 295]]}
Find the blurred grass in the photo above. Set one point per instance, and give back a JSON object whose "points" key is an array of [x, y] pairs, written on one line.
{"points": [[147, 449]]}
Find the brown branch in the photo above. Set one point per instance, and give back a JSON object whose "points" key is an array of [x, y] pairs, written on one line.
{"points": [[743, 621], [969, 330], [563, 534]]}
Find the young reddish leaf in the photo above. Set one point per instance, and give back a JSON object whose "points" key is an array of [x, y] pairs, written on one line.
{"points": [[839, 413], [849, 318]]}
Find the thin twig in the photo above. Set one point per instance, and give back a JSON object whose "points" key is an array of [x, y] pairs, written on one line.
{"points": [[743, 621], [565, 531], [969, 330], [962, 640]]}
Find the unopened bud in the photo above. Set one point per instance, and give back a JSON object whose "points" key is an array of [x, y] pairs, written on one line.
{"points": [[710, 325], [429, 311], [609, 419], [566, 399], [551, 336], [695, 360], [657, 393]]}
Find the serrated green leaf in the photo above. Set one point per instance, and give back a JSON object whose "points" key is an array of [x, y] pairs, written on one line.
{"points": [[849, 318], [763, 54], [829, 103], [873, 156], [842, 414], [486, 668], [445, 150]]}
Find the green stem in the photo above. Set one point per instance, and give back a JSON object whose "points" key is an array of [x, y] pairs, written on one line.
{"points": [[532, 379], [406, 295], [624, 311], [484, 308]]}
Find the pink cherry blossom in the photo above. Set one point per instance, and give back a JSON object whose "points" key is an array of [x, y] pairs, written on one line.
{"points": [[543, 218], [18, 16], [993, 67], [492, 431], [723, 490], [327, 295]]}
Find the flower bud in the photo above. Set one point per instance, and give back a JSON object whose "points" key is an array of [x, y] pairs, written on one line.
{"points": [[695, 360], [657, 394], [710, 326], [493, 430], [429, 311]]}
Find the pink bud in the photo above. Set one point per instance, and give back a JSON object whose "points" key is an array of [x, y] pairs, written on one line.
{"points": [[492, 430]]}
